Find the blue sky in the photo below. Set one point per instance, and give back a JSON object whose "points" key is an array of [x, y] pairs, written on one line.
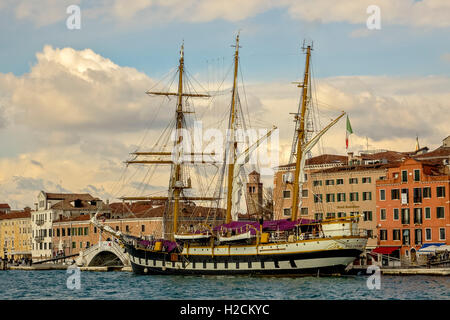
{"points": [[72, 102], [271, 41]]}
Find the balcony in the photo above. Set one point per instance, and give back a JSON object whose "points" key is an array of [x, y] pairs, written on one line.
{"points": [[40, 222], [39, 238]]}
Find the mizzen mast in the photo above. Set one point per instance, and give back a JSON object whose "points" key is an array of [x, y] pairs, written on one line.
{"points": [[231, 127]]}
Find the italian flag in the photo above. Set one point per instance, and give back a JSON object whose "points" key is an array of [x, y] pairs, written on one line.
{"points": [[348, 132]]}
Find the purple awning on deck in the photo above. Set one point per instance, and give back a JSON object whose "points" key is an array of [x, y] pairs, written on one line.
{"points": [[271, 225]]}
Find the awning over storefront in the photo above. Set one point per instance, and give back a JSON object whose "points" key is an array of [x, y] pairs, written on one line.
{"points": [[443, 248], [385, 250], [430, 247]]}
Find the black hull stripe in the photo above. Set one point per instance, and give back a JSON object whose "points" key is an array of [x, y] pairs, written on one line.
{"points": [[329, 270]]}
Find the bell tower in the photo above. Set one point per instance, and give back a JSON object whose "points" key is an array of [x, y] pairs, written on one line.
{"points": [[254, 194]]}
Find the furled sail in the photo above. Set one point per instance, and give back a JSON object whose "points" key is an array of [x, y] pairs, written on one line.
{"points": [[241, 160]]}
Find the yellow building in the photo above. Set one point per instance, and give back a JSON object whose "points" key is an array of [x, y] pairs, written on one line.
{"points": [[15, 235]]}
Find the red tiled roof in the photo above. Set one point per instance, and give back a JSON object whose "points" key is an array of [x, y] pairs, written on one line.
{"points": [[69, 196], [440, 152], [322, 159], [16, 215], [4, 206], [388, 155]]}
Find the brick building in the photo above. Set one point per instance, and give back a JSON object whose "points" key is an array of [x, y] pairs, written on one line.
{"points": [[413, 206]]}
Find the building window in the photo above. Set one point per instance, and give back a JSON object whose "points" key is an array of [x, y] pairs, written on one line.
{"points": [[416, 175], [418, 236], [286, 194], [405, 216], [382, 194], [404, 176], [440, 212], [405, 196], [354, 196], [95, 229], [367, 196], [418, 215], [317, 183], [117, 228], [441, 233], [304, 211], [86, 231], [440, 192], [383, 234], [341, 197], [354, 214], [369, 233], [318, 216], [88, 244], [405, 237], [367, 215], [287, 211], [331, 215], [329, 182], [395, 194], [317, 198], [287, 177], [417, 195], [57, 232], [396, 213], [382, 214], [74, 245], [305, 193], [339, 181], [80, 231], [81, 245], [396, 234], [127, 228], [427, 192], [428, 234], [142, 228], [63, 232], [330, 197], [428, 213], [366, 180], [353, 180], [341, 214]]}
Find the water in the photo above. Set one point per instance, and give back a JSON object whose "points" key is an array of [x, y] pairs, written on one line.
{"points": [[18, 284]]}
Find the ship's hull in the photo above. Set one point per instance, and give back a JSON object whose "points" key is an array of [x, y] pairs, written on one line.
{"points": [[309, 257]]}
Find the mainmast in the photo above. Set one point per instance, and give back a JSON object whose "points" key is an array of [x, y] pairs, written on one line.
{"points": [[231, 130], [177, 184], [300, 136]]}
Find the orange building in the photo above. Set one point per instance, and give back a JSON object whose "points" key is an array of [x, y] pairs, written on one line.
{"points": [[413, 208]]}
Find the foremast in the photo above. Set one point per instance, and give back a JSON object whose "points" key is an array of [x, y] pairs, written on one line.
{"points": [[176, 185]]}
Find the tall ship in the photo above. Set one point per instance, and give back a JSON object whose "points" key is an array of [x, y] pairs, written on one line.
{"points": [[227, 245]]}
